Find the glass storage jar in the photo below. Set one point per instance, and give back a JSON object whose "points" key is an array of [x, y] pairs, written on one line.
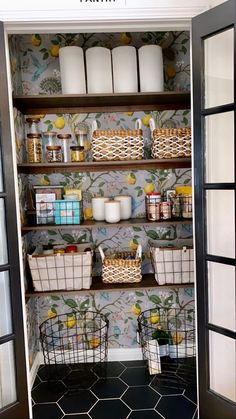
{"points": [[81, 135], [34, 148], [54, 154], [64, 141], [33, 125], [49, 138], [77, 153]]}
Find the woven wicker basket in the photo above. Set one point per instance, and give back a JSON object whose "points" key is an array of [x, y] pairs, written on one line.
{"points": [[119, 269], [117, 144], [170, 143]]}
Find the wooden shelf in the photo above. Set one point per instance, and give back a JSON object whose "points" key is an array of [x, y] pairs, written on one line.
{"points": [[104, 166], [120, 102], [148, 281], [138, 222]]}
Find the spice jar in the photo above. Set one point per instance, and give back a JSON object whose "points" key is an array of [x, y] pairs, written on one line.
{"points": [[153, 201], [34, 148], [64, 140], [33, 125], [54, 154], [81, 135], [165, 210], [77, 153]]}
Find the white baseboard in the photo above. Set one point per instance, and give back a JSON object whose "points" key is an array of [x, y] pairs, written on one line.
{"points": [[118, 354]]}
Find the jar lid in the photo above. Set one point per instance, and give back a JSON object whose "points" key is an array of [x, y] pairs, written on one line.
{"points": [[33, 119], [154, 194], [48, 133], [77, 147], [66, 136], [71, 248], [53, 147], [81, 131], [31, 135]]}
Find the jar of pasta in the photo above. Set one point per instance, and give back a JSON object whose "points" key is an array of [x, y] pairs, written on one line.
{"points": [[34, 148]]}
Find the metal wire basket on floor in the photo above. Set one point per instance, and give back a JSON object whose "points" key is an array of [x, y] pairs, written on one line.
{"points": [[167, 338]]}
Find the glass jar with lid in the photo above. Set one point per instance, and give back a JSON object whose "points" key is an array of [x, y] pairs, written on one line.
{"points": [[64, 141], [54, 154], [81, 135], [49, 138], [33, 125], [34, 148], [77, 153]]}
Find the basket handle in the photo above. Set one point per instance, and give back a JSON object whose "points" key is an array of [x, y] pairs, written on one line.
{"points": [[152, 124], [138, 124], [94, 125], [138, 252], [101, 253]]}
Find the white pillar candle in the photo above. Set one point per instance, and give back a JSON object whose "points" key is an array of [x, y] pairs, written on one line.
{"points": [[112, 211], [125, 206], [98, 66], [71, 61], [124, 65], [151, 68], [99, 208]]}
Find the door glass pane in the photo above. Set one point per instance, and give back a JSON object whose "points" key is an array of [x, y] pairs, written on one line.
{"points": [[5, 304], [221, 292], [219, 68], [1, 177], [7, 374], [219, 148], [3, 238], [222, 361], [220, 223]]}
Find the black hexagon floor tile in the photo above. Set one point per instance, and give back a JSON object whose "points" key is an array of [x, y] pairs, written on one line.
{"points": [[47, 410], [107, 409], [191, 393], [138, 363], [142, 397], [136, 376], [144, 414], [48, 392], [172, 407], [83, 416], [109, 369], [36, 381], [80, 379], [81, 401], [167, 383], [53, 372], [106, 388]]}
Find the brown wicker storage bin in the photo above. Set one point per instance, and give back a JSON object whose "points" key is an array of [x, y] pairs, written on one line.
{"points": [[170, 143], [119, 269], [117, 144]]}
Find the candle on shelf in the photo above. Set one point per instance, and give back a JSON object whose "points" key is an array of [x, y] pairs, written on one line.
{"points": [[71, 59], [124, 65], [151, 68], [99, 74], [125, 206], [112, 211], [98, 207]]}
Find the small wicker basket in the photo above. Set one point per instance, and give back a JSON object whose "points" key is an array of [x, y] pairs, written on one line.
{"points": [[168, 143], [120, 269], [118, 144]]}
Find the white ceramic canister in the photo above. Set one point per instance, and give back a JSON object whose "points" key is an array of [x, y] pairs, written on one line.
{"points": [[112, 211], [125, 73], [99, 73], [125, 206], [151, 74], [99, 208], [71, 59]]}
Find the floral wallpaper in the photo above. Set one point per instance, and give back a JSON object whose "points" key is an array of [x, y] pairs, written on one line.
{"points": [[35, 70]]}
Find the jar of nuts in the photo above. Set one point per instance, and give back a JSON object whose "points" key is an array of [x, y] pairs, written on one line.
{"points": [[54, 154], [34, 148]]}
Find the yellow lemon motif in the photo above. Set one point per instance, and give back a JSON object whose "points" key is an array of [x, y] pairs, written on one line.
{"points": [[146, 120], [129, 113], [71, 321], [149, 187], [154, 318], [52, 313], [131, 178], [44, 180], [88, 213], [54, 51], [36, 40], [171, 71], [94, 343], [177, 338], [133, 244], [60, 122], [136, 309], [125, 38]]}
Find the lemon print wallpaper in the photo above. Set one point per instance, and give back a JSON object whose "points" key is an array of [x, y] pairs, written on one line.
{"points": [[35, 71]]}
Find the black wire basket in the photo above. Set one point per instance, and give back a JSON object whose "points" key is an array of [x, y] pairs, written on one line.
{"points": [[167, 339], [75, 340]]}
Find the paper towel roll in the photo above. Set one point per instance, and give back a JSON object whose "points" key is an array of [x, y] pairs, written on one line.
{"points": [[124, 65], [98, 66], [71, 61], [151, 68]]}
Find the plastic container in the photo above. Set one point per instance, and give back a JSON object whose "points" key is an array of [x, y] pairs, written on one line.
{"points": [[64, 140], [54, 154], [34, 148]]}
